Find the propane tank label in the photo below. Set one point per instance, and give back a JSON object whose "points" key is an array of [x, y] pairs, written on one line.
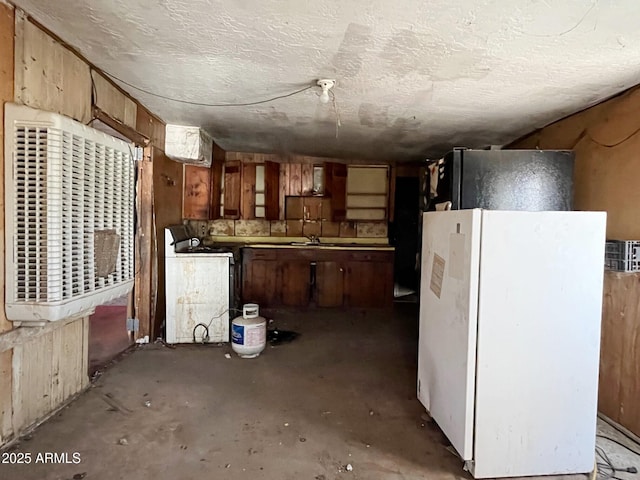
{"points": [[255, 336], [237, 334]]}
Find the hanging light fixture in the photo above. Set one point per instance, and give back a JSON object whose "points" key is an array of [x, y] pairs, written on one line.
{"points": [[326, 85]]}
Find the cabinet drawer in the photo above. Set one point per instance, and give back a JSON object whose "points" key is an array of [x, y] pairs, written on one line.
{"points": [[369, 256], [259, 254]]}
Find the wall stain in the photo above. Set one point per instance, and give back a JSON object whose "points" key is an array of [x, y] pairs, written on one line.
{"points": [[349, 58], [371, 115]]}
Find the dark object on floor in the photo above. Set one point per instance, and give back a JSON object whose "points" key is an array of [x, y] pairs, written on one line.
{"points": [[278, 337]]}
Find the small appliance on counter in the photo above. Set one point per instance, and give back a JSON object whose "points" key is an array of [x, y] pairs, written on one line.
{"points": [[181, 240]]}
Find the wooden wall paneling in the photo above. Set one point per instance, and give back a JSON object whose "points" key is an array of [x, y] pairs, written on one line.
{"points": [[85, 348], [619, 389], [306, 179], [295, 179], [606, 169], [7, 23], [150, 126], [604, 177], [272, 190], [144, 123], [197, 192], [32, 375], [67, 361], [48, 76], [6, 395], [216, 187], [112, 101], [159, 130], [143, 243], [167, 207], [232, 189], [47, 371], [611, 345], [248, 195]]}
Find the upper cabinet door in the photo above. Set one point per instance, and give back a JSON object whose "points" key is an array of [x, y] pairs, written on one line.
{"points": [[248, 202], [232, 189], [367, 192], [336, 188], [272, 190]]}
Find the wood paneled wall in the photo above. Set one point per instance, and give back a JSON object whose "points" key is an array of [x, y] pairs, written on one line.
{"points": [[48, 76], [41, 368], [6, 95], [167, 193], [111, 100], [47, 370], [619, 394], [606, 140]]}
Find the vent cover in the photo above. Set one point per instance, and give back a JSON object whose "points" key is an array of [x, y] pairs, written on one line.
{"points": [[66, 186]]}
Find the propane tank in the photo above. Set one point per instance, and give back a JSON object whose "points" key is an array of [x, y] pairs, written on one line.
{"points": [[249, 332]]}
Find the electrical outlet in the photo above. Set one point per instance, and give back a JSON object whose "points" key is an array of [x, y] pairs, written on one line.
{"points": [[133, 324]]}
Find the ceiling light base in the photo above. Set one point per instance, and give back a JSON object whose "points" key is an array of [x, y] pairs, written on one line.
{"points": [[326, 85]]}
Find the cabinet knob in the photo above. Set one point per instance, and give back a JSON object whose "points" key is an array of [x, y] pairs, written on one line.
{"points": [[342, 269]]}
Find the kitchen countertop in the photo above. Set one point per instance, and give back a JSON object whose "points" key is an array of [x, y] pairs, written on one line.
{"points": [[320, 246], [326, 243]]}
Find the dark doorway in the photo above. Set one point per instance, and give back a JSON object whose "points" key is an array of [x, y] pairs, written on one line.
{"points": [[405, 231]]}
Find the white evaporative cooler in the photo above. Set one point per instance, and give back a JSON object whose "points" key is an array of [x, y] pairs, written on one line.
{"points": [[69, 206]]}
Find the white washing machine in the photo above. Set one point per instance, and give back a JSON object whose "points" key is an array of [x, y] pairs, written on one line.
{"points": [[198, 287]]}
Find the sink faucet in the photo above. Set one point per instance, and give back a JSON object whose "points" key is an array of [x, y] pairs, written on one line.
{"points": [[313, 239]]}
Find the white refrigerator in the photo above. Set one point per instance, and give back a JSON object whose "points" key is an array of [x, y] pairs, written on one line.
{"points": [[510, 312]]}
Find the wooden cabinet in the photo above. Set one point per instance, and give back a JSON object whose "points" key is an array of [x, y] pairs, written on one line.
{"points": [[229, 189], [295, 284], [309, 209], [367, 192], [329, 279], [232, 189], [369, 280], [259, 277], [336, 189], [300, 277]]}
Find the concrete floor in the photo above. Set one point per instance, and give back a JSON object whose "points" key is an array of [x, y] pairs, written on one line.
{"points": [[342, 393]]}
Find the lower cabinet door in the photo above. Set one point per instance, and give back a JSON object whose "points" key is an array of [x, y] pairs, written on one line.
{"points": [[369, 284], [330, 284], [260, 282], [296, 283]]}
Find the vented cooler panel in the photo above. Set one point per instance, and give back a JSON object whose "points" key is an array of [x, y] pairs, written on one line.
{"points": [[63, 183]]}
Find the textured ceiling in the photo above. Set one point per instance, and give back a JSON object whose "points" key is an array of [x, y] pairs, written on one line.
{"points": [[414, 77]]}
